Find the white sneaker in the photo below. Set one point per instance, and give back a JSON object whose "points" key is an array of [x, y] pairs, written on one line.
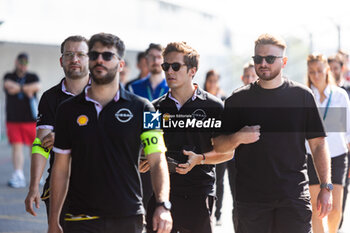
{"points": [[17, 181]]}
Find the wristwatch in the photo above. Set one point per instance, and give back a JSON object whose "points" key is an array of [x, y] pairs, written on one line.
{"points": [[327, 186], [165, 204]]}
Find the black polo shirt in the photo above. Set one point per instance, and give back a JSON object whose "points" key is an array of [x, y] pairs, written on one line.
{"points": [[201, 179], [48, 105], [18, 106], [275, 166], [104, 144]]}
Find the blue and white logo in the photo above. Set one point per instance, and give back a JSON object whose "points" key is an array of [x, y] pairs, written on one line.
{"points": [[151, 120]]}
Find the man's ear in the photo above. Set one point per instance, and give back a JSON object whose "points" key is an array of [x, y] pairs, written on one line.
{"points": [[121, 65], [284, 60], [61, 61], [192, 71]]}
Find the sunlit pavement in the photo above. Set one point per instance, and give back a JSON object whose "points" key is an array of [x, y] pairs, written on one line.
{"points": [[14, 219]]}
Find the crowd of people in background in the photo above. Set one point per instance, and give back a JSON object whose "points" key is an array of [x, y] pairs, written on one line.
{"points": [[284, 145]]}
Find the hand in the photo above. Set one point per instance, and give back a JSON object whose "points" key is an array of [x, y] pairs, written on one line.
{"points": [[144, 166], [55, 228], [48, 141], [162, 221], [193, 160], [249, 134], [33, 197], [324, 203]]}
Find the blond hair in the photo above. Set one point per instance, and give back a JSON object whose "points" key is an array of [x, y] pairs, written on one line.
{"points": [[319, 58], [266, 39]]}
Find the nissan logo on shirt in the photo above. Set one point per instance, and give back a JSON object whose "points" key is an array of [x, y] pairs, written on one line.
{"points": [[124, 115]]}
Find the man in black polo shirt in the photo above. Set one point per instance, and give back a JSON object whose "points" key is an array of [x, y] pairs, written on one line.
{"points": [[74, 61], [20, 88], [272, 193], [97, 146], [192, 180]]}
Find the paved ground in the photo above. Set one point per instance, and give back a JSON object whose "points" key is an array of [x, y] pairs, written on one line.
{"points": [[14, 219]]}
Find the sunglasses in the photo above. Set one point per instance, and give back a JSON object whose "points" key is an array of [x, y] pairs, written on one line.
{"points": [[269, 59], [107, 56], [175, 66]]}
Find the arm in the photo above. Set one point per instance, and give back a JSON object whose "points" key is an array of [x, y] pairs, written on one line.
{"points": [[12, 87], [228, 143], [38, 163], [162, 220], [194, 159], [321, 158], [59, 186], [30, 89]]}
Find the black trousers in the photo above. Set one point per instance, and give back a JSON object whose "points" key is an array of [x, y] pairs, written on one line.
{"points": [[132, 224], [282, 216], [191, 214], [220, 174]]}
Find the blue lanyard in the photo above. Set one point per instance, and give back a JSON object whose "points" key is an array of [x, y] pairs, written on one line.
{"points": [[150, 95], [327, 106]]}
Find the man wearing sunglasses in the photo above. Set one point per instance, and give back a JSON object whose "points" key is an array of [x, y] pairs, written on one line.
{"points": [[272, 193], [20, 88], [74, 61], [192, 181], [97, 142]]}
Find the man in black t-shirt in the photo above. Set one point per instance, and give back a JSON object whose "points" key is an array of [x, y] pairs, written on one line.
{"points": [[192, 179], [272, 192], [21, 88], [74, 61], [98, 136]]}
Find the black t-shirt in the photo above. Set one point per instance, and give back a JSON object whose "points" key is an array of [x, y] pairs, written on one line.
{"points": [[48, 105], [274, 167], [201, 179], [18, 108], [105, 149]]}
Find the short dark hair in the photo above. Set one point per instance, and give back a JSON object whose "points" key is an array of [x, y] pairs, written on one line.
{"points": [[191, 56], [336, 58], [76, 38], [108, 40], [140, 55], [158, 47]]}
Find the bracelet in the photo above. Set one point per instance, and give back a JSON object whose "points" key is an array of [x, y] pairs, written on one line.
{"points": [[203, 159]]}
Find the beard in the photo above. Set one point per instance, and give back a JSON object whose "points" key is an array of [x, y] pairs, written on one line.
{"points": [[267, 76], [155, 69], [107, 78], [73, 74]]}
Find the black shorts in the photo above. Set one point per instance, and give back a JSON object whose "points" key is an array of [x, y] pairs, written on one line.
{"points": [[339, 168], [286, 216]]}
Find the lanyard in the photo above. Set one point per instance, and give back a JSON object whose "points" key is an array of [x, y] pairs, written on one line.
{"points": [[149, 93], [327, 106]]}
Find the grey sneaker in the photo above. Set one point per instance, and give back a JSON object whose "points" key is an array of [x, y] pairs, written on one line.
{"points": [[17, 182]]}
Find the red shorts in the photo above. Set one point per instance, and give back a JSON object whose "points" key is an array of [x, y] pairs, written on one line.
{"points": [[21, 132]]}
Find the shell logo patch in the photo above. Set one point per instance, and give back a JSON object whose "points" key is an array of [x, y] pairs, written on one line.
{"points": [[82, 120]]}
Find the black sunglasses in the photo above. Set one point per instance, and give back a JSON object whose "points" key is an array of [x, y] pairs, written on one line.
{"points": [[175, 66], [269, 59], [107, 56]]}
